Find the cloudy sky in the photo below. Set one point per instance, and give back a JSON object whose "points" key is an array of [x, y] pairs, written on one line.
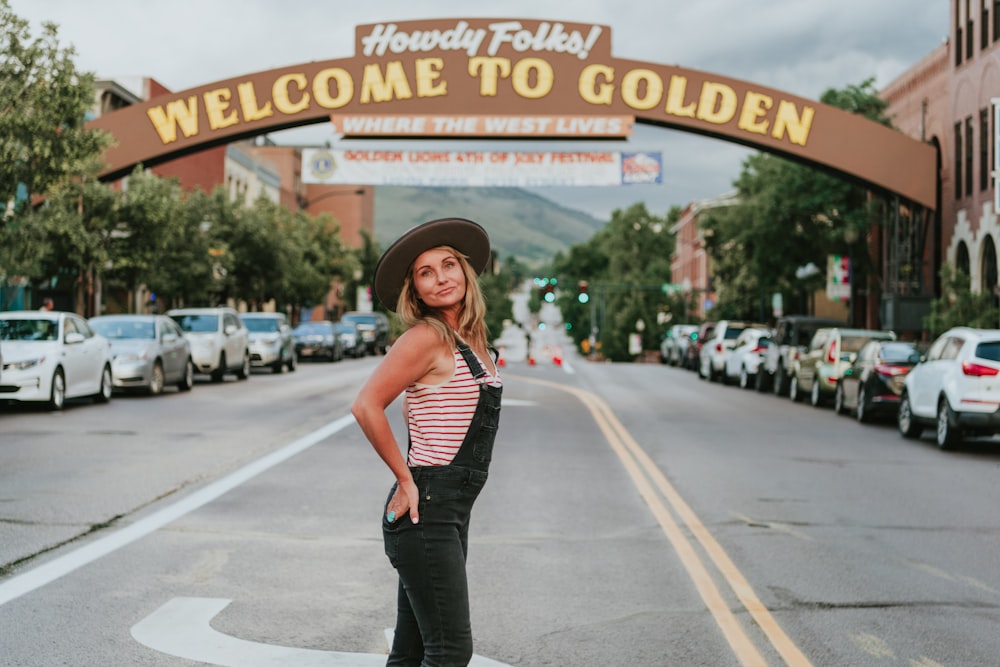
{"points": [[798, 46]]}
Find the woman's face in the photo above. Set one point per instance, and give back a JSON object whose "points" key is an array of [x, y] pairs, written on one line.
{"points": [[438, 279]]}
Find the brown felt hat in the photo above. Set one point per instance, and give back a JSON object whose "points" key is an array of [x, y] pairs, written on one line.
{"points": [[466, 236]]}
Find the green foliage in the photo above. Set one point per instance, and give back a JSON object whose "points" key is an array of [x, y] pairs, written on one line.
{"points": [[625, 265], [958, 305], [43, 141]]}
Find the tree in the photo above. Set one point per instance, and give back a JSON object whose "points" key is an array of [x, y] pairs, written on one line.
{"points": [[43, 139], [958, 305]]}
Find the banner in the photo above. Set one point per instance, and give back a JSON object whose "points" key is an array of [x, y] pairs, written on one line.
{"points": [[473, 168], [838, 278]]}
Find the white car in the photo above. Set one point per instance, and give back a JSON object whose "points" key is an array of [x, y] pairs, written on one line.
{"points": [[743, 363], [49, 356], [271, 342], [712, 357], [220, 342], [955, 388]]}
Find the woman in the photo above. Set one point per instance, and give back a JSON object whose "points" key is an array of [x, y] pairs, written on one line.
{"points": [[452, 409]]}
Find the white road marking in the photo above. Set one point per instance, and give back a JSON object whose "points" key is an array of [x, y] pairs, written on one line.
{"points": [[48, 572], [182, 628]]}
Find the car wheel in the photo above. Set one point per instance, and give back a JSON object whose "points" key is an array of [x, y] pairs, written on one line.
{"points": [[219, 373], [815, 398], [908, 427], [57, 395], [156, 380], [293, 361], [780, 385], [744, 378], [244, 371], [861, 411], [187, 380], [948, 435], [793, 390], [760, 381], [103, 394], [838, 399], [279, 365]]}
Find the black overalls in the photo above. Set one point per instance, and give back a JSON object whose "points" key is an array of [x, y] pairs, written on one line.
{"points": [[432, 619]]}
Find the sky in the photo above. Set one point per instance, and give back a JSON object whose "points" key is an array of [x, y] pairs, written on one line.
{"points": [[796, 46]]}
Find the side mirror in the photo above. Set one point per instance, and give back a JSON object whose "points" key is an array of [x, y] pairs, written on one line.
{"points": [[230, 329], [169, 337], [73, 338]]}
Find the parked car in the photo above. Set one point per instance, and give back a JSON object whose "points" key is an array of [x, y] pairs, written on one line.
{"points": [[50, 356], [712, 357], [792, 335], [318, 340], [743, 363], [351, 340], [692, 356], [831, 352], [955, 389], [271, 342], [148, 352], [374, 329], [220, 342], [874, 382], [675, 343]]}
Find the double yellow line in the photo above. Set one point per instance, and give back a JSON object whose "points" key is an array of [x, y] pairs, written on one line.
{"points": [[655, 488]]}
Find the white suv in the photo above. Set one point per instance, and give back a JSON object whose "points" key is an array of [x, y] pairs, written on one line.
{"points": [[956, 388], [219, 340]]}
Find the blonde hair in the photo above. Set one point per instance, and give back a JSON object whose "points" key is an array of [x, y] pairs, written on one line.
{"points": [[471, 318]]}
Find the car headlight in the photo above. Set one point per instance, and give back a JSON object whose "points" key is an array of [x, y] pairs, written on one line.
{"points": [[130, 358], [24, 364]]}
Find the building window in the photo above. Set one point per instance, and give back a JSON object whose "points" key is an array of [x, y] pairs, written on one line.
{"points": [[962, 258], [984, 148], [958, 160], [968, 30], [984, 26], [958, 33], [988, 268], [968, 156]]}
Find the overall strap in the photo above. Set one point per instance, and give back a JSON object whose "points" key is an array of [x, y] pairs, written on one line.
{"points": [[476, 368]]}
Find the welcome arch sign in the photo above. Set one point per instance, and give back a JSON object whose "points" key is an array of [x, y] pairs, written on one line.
{"points": [[521, 68]]}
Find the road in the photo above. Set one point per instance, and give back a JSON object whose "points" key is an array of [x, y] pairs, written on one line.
{"points": [[635, 515]]}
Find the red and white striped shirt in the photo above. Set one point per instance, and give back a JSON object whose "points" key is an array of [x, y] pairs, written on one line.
{"points": [[439, 415]]}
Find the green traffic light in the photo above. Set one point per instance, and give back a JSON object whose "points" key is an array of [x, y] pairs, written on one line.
{"points": [[583, 297], [550, 297]]}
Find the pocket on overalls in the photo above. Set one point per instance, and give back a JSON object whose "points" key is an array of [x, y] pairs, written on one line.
{"points": [[390, 531]]}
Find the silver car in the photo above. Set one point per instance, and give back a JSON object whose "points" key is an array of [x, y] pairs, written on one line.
{"points": [[149, 352], [220, 342], [271, 342]]}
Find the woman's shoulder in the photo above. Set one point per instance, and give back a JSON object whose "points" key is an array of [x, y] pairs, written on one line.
{"points": [[422, 335]]}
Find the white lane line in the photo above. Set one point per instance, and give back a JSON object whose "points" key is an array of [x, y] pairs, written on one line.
{"points": [[46, 573], [182, 628]]}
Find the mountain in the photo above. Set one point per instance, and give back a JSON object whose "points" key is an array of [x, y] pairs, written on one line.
{"points": [[520, 223]]}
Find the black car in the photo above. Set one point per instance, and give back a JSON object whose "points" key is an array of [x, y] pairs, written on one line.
{"points": [[374, 329], [317, 340], [874, 382]]}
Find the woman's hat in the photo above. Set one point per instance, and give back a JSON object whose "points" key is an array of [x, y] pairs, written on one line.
{"points": [[466, 236]]}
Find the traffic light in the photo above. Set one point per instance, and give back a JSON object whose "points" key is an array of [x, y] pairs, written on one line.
{"points": [[549, 291], [582, 295]]}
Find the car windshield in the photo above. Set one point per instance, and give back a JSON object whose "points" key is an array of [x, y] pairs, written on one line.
{"points": [[40, 329], [341, 327], [852, 343], [197, 323], [311, 328], [898, 353], [990, 350], [261, 324], [119, 329], [361, 320]]}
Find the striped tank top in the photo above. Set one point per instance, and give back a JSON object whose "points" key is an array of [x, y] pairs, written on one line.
{"points": [[438, 416]]}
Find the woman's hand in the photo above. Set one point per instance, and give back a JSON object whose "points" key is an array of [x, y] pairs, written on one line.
{"points": [[406, 498]]}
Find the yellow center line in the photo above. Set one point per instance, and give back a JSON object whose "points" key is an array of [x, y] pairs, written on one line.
{"points": [[635, 460]]}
